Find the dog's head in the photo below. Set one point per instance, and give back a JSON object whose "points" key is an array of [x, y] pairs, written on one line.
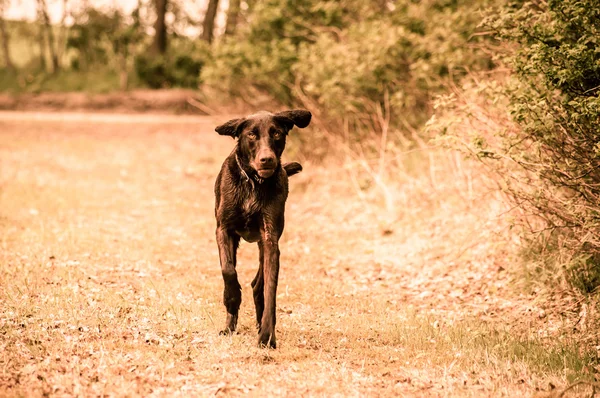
{"points": [[261, 137]]}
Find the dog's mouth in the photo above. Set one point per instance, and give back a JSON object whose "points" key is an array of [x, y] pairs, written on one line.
{"points": [[265, 173]]}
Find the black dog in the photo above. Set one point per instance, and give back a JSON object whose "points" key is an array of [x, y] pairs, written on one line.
{"points": [[251, 190]]}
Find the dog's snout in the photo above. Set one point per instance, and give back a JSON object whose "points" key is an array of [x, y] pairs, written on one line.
{"points": [[266, 159]]}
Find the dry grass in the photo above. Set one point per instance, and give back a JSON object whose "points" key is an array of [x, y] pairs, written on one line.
{"points": [[110, 283]]}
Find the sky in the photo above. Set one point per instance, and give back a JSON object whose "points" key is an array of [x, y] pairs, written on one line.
{"points": [[26, 9]]}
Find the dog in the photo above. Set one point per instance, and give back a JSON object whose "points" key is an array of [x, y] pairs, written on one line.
{"points": [[250, 194]]}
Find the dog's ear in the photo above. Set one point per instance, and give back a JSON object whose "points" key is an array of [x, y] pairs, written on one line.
{"points": [[297, 117], [232, 128]]}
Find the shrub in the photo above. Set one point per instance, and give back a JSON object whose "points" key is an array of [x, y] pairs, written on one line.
{"points": [[390, 66], [353, 58], [550, 164], [180, 67], [238, 66], [152, 71], [348, 74], [556, 103], [262, 56]]}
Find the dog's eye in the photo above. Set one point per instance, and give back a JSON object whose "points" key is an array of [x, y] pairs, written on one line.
{"points": [[252, 136], [277, 135]]}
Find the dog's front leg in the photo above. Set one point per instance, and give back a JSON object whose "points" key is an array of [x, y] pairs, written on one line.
{"points": [[232, 293], [270, 244], [258, 286]]}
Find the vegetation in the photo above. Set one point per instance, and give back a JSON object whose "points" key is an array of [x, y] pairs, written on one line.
{"points": [[546, 161], [556, 104], [514, 84], [349, 58], [111, 283], [103, 42]]}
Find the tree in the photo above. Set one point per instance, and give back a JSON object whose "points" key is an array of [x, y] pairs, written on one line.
{"points": [[208, 26], [159, 46], [64, 31], [232, 16], [123, 38], [42, 47], [5, 39], [45, 19]]}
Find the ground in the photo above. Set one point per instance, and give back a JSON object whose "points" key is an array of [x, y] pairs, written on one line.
{"points": [[172, 101], [110, 282]]}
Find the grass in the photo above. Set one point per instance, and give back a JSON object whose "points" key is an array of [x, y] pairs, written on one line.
{"points": [[110, 283], [94, 82], [31, 78], [22, 44], [24, 51], [479, 346]]}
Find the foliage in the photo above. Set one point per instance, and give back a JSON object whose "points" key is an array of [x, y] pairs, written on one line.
{"points": [[104, 45], [555, 101], [344, 74], [94, 81], [178, 70], [547, 161], [262, 55], [349, 58], [236, 67], [345, 56], [21, 49], [182, 63], [97, 35], [408, 54]]}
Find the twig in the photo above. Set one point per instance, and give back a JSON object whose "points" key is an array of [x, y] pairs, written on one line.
{"points": [[383, 116], [580, 382], [199, 105]]}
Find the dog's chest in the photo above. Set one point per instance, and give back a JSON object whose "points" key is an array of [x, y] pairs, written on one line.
{"points": [[250, 206], [250, 218]]}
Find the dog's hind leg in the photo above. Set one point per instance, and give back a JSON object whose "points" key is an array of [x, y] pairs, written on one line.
{"points": [[258, 286], [232, 293]]}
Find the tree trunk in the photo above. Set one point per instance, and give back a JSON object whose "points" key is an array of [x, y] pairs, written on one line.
{"points": [[42, 45], [208, 26], [4, 37], [49, 34], [123, 75], [160, 36], [63, 33], [232, 16]]}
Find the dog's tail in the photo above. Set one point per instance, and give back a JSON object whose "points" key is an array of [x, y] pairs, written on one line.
{"points": [[292, 168]]}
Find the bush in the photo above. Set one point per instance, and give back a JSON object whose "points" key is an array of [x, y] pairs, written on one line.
{"points": [[556, 103], [239, 66], [352, 58], [551, 163], [176, 69], [152, 71], [262, 56], [350, 74]]}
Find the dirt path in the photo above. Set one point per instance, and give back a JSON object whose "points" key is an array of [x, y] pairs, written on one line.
{"points": [[165, 101], [108, 117], [110, 283]]}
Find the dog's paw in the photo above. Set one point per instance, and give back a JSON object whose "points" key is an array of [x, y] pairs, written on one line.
{"points": [[267, 341]]}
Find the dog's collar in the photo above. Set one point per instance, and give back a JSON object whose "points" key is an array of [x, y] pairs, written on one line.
{"points": [[254, 178]]}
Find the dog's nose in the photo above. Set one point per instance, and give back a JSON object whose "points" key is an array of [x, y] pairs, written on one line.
{"points": [[267, 160]]}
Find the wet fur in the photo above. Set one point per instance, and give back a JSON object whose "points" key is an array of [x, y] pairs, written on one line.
{"points": [[250, 207]]}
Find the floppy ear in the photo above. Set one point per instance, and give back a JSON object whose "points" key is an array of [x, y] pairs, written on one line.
{"points": [[231, 128], [298, 117]]}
